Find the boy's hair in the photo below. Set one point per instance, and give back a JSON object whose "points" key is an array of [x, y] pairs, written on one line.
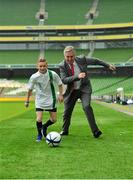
{"points": [[68, 48], [41, 60]]}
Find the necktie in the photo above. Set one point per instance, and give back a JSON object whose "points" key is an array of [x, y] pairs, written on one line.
{"points": [[72, 71], [72, 68]]}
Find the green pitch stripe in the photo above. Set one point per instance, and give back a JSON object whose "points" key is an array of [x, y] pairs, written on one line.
{"points": [[52, 88]]}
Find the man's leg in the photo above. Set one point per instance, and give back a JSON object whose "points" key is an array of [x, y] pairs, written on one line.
{"points": [[68, 109], [86, 99]]}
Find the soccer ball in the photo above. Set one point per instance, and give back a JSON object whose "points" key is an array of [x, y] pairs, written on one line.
{"points": [[53, 139]]}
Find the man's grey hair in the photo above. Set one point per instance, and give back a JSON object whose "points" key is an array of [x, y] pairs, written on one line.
{"points": [[68, 48]]}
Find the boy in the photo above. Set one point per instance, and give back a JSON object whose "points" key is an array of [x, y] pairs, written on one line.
{"points": [[45, 98]]}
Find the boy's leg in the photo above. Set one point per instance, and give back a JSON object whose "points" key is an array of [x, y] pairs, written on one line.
{"points": [[51, 121], [39, 115]]}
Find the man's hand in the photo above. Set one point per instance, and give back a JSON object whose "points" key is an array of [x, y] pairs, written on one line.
{"points": [[26, 104], [112, 67], [81, 75]]}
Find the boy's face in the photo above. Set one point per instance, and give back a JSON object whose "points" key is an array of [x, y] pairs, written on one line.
{"points": [[42, 67]]}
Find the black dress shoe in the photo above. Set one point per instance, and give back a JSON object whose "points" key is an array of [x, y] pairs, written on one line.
{"points": [[97, 134], [64, 133]]}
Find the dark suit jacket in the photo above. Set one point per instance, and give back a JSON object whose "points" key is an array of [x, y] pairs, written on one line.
{"points": [[68, 79]]}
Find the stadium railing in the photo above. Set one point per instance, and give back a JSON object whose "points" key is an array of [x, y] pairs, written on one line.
{"points": [[68, 38], [24, 66], [26, 70], [67, 27]]}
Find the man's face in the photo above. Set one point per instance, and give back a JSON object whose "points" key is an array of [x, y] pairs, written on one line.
{"points": [[42, 67], [69, 57]]}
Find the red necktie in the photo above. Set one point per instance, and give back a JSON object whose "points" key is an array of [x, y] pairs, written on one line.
{"points": [[72, 71], [72, 68]]}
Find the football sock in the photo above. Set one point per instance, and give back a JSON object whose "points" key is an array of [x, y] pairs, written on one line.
{"points": [[48, 123], [39, 127]]}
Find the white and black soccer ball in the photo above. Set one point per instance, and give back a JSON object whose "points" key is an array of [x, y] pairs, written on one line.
{"points": [[53, 139]]}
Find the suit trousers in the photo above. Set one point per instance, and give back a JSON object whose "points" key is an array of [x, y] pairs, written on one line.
{"points": [[69, 104]]}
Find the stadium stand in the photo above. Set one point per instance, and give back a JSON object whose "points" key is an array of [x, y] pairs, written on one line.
{"points": [[114, 12], [64, 27]]}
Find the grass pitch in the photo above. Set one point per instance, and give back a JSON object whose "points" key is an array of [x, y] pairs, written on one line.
{"points": [[79, 156]]}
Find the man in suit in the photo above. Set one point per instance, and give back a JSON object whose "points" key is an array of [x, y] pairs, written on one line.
{"points": [[74, 74]]}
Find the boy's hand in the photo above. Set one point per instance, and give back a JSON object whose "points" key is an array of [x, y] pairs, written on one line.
{"points": [[60, 98], [26, 104]]}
